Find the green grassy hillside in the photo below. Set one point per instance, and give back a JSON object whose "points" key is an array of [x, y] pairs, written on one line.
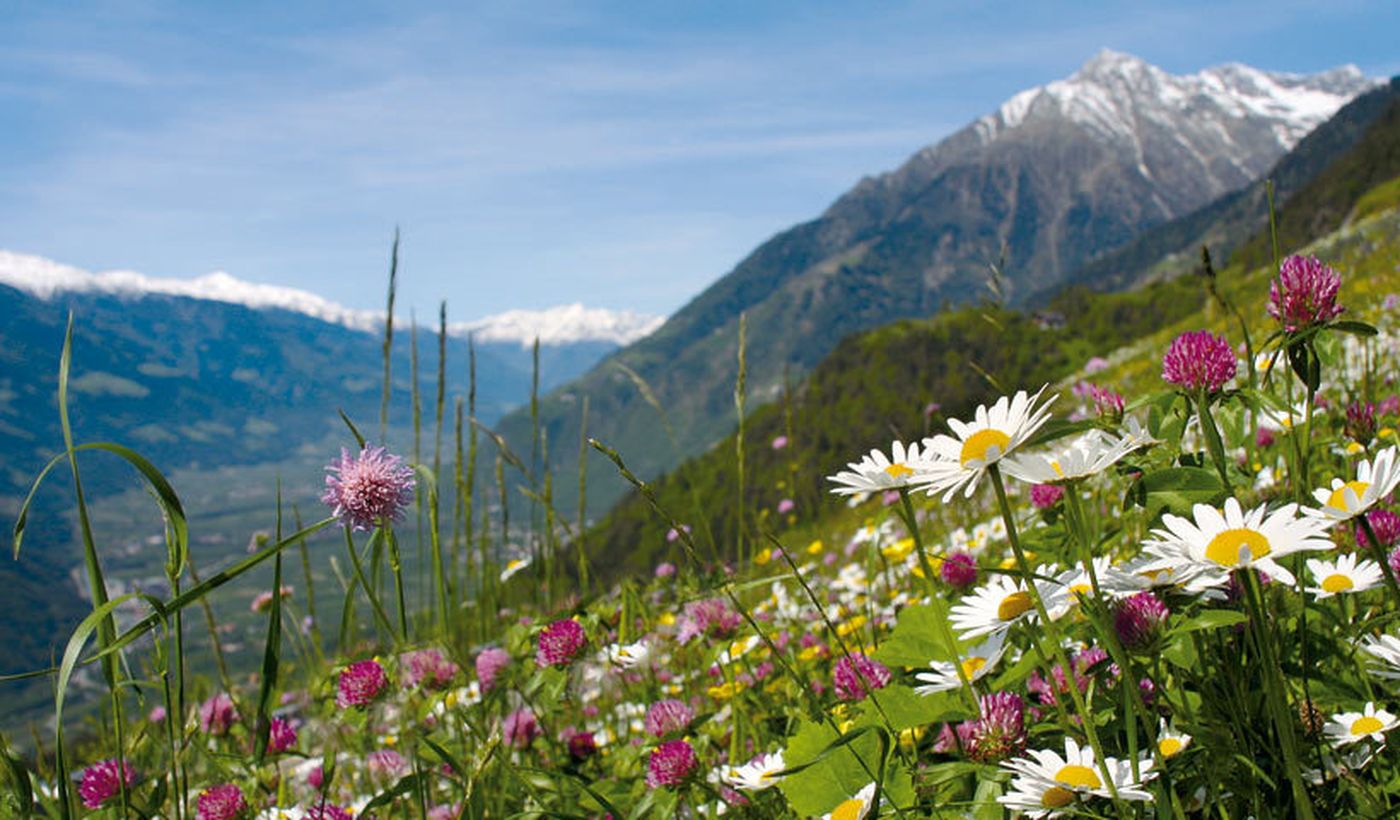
{"points": [[871, 389]]}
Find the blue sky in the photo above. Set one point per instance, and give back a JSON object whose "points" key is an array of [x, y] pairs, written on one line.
{"points": [[623, 155]]}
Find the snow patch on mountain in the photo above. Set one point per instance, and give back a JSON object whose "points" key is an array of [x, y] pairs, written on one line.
{"points": [[561, 325]]}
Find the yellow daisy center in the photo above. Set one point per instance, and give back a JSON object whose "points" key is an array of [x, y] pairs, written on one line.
{"points": [[1338, 499], [1014, 605], [1081, 776], [1366, 725], [1224, 549], [1055, 465], [898, 471], [848, 810], [980, 442], [1169, 746], [1080, 589], [972, 666], [1056, 798], [1337, 582]]}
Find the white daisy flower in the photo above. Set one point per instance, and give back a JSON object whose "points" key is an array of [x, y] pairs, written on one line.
{"points": [[876, 472], [1205, 550], [1351, 727], [1375, 480], [1386, 649], [854, 807], [1046, 781], [1286, 419], [738, 649], [1346, 574], [513, 567], [977, 663], [992, 435], [757, 774], [626, 656], [1170, 742], [1001, 602], [1346, 762], [1134, 431], [1087, 455]]}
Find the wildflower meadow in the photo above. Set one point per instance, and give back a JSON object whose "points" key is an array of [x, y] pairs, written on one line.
{"points": [[1168, 594]]}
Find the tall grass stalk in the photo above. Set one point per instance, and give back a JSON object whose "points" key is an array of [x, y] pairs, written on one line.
{"points": [[97, 584], [581, 536], [389, 338], [438, 408], [740, 400]]}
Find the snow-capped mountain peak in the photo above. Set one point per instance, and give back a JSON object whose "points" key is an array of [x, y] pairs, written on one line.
{"points": [[1113, 94], [561, 325]]}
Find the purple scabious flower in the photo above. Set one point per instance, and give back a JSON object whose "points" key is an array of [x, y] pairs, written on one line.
{"points": [[1304, 294], [671, 764], [713, 617], [665, 569], [560, 643], [428, 668], [1045, 496], [780, 442], [386, 763], [582, 745], [668, 717], [1385, 524], [855, 676], [224, 802], [1360, 425], [217, 715], [1199, 360], [1139, 620], [360, 683], [102, 781], [368, 490], [489, 664], [1263, 437], [520, 728], [959, 570], [786, 506], [1107, 403], [281, 735], [999, 733]]}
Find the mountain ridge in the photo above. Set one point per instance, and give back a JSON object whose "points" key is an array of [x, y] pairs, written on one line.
{"points": [[559, 325], [1038, 200]]}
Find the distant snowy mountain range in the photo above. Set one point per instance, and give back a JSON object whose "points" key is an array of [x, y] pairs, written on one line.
{"points": [[561, 325]]}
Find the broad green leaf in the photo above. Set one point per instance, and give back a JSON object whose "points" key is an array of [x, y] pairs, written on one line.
{"points": [[834, 773], [906, 709], [1211, 619], [1177, 489], [917, 637]]}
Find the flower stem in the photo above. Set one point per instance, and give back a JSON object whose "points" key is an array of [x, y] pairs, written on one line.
{"points": [[1275, 695], [1053, 633], [912, 524]]}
